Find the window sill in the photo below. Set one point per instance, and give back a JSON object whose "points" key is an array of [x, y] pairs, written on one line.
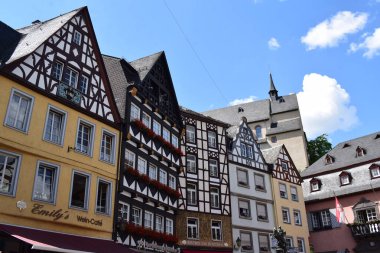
{"points": [[17, 129], [245, 218], [54, 143], [45, 201], [108, 162]]}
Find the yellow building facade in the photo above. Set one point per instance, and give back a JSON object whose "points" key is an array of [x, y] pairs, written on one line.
{"points": [[289, 205]]}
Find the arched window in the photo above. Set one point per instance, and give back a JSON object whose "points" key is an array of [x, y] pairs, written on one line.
{"points": [[259, 134]]}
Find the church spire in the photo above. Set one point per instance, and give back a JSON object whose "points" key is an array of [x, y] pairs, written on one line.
{"points": [[273, 93]]}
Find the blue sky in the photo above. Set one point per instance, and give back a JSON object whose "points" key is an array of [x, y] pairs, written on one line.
{"points": [[219, 51]]}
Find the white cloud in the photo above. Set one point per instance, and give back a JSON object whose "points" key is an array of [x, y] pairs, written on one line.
{"points": [[325, 106], [273, 44], [331, 32], [242, 100], [371, 44]]}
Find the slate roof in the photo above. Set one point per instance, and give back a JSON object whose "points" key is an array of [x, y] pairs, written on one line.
{"points": [[34, 35], [121, 75], [232, 131], [346, 156], [203, 117], [271, 154], [144, 64], [285, 126]]}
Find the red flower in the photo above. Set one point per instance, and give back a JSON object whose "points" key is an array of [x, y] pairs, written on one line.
{"points": [[145, 178], [132, 171]]}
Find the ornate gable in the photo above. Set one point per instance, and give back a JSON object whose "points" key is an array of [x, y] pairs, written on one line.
{"points": [[67, 65], [284, 168]]}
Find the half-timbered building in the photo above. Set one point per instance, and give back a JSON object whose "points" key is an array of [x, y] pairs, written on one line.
{"points": [[58, 138], [251, 192], [290, 212], [150, 151], [204, 206]]}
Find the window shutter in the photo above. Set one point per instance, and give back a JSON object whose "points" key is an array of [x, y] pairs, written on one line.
{"points": [[334, 222]]}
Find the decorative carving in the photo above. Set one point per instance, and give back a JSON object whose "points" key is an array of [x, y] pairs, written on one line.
{"points": [[69, 93]]}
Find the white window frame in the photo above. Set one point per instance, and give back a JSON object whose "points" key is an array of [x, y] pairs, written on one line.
{"points": [[136, 210], [28, 114], [124, 208], [375, 172], [77, 37], [284, 166], [135, 112], [83, 80], [57, 63], [90, 140], [63, 114], [163, 177], [146, 119], [214, 197], [249, 213], [71, 71], [302, 245], [344, 179], [191, 164], [54, 186], [159, 225], [265, 217], [191, 194], [113, 145], [193, 226], [289, 242], [13, 183], [190, 133], [259, 133], [283, 211], [294, 193], [108, 204], [128, 158], [299, 221], [87, 191], [250, 151], [156, 127], [213, 168], [211, 139], [153, 171], [140, 168], [258, 187], [243, 149], [166, 134], [146, 220], [283, 190], [169, 226], [216, 229], [241, 183], [175, 141], [172, 182]]}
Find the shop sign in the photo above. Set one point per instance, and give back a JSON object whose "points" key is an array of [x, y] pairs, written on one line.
{"points": [[142, 244], [204, 244]]}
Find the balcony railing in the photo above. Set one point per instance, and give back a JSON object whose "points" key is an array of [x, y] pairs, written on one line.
{"points": [[69, 92], [371, 228]]}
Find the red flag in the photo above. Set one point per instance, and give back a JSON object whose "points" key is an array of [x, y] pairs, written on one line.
{"points": [[339, 211]]}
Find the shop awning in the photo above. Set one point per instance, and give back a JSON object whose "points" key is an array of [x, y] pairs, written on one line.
{"points": [[58, 242]]}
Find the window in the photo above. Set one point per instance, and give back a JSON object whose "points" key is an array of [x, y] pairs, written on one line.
{"points": [[329, 159], [345, 178], [45, 183], [246, 242], [159, 223], [321, 219], [107, 150], [79, 190], [190, 134], [250, 151], [284, 166], [365, 215], [135, 112], [8, 173], [293, 193], [259, 134], [285, 215], [172, 183], [301, 245], [264, 243], [123, 212], [259, 182], [166, 134], [315, 184], [129, 158], [148, 220], [360, 151], [83, 84], [211, 139], [297, 217], [289, 242], [175, 141], [77, 37], [136, 216], [19, 111], [169, 226], [375, 171], [283, 191], [243, 149], [242, 177], [244, 209], [214, 196], [70, 77], [54, 126], [152, 171], [273, 139], [192, 228], [216, 230], [156, 127], [103, 197], [146, 119], [213, 167], [261, 212], [141, 165], [191, 194], [191, 163], [163, 177], [57, 70], [84, 138]]}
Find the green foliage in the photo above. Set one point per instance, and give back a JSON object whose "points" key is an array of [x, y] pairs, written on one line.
{"points": [[280, 235], [318, 147]]}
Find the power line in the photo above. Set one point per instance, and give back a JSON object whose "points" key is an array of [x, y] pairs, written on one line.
{"points": [[194, 51]]}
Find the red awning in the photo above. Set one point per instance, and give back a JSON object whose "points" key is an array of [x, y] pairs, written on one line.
{"points": [[58, 242]]}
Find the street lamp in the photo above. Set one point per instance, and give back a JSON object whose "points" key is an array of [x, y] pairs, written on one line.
{"points": [[238, 242]]}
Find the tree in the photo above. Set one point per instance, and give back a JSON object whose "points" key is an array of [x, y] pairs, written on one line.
{"points": [[318, 147], [280, 234]]}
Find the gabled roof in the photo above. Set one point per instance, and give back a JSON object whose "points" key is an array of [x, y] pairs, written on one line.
{"points": [[145, 64], [346, 157], [202, 117], [34, 35], [271, 154]]}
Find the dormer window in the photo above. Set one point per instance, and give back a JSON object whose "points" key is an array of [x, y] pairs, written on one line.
{"points": [[360, 151], [346, 145], [377, 136], [375, 170], [345, 178], [315, 184], [329, 159]]}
